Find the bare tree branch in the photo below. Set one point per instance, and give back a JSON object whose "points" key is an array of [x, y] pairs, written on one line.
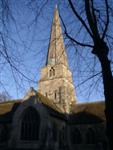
{"points": [[79, 17], [71, 38], [107, 21]]}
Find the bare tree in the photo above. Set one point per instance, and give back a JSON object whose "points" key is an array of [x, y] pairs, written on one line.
{"points": [[4, 96], [11, 45], [96, 19]]}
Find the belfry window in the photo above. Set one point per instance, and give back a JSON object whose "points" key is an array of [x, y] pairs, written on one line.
{"points": [[30, 125], [52, 72]]}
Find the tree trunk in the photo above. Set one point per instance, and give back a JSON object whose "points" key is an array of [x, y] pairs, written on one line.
{"points": [[101, 51]]}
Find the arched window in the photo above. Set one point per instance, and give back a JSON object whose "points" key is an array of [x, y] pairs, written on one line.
{"points": [[52, 72], [30, 125], [90, 136], [76, 136]]}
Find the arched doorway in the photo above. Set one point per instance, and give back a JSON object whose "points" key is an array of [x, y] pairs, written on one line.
{"points": [[30, 124]]}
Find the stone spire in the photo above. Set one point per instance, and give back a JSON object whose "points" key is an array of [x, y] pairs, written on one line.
{"points": [[56, 79], [56, 51]]}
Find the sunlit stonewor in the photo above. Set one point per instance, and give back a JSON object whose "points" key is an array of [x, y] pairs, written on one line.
{"points": [[51, 118], [56, 79]]}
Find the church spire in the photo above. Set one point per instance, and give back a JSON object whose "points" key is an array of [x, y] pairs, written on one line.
{"points": [[56, 51], [56, 78]]}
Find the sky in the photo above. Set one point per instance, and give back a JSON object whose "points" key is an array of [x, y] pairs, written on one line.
{"points": [[29, 34]]}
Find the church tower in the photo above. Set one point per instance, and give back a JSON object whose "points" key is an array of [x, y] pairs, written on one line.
{"points": [[56, 79]]}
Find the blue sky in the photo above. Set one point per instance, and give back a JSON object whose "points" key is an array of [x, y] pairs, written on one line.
{"points": [[29, 45]]}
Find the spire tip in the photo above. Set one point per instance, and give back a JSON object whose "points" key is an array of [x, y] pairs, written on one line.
{"points": [[56, 6]]}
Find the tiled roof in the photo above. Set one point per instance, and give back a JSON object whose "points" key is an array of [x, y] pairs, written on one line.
{"points": [[94, 108], [7, 106]]}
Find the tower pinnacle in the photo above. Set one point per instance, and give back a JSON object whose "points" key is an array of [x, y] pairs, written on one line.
{"points": [[56, 51]]}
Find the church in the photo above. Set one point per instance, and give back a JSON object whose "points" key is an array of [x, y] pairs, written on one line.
{"points": [[50, 118]]}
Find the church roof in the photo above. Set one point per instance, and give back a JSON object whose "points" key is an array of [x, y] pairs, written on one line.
{"points": [[95, 108], [8, 108]]}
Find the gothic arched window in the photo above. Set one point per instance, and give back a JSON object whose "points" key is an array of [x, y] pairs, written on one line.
{"points": [[30, 125], [76, 136], [52, 72], [90, 136]]}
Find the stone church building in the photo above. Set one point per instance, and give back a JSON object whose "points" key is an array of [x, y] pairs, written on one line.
{"points": [[50, 118]]}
